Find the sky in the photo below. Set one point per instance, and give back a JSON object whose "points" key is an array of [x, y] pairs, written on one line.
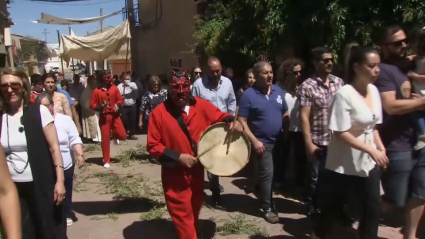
{"points": [[22, 12]]}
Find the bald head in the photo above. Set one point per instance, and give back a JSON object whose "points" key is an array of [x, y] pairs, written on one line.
{"points": [[213, 59], [214, 69]]}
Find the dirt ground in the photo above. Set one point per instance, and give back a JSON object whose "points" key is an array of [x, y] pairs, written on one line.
{"points": [[126, 201]]}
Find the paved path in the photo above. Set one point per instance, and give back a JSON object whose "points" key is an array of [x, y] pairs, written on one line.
{"points": [[101, 217]]}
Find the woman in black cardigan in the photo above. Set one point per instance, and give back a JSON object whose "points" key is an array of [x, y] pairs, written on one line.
{"points": [[30, 143]]}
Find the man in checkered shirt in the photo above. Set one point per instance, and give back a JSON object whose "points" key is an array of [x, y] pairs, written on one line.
{"points": [[315, 95]]}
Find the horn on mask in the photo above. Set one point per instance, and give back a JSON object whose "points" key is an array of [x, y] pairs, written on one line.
{"points": [[172, 71]]}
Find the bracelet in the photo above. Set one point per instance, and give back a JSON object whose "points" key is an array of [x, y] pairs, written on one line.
{"points": [[58, 166]]}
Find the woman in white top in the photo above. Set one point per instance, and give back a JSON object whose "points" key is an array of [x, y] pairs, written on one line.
{"points": [[30, 143], [68, 139], [355, 152], [289, 78]]}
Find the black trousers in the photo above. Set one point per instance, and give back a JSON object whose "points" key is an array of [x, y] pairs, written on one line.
{"points": [[281, 158], [300, 157], [129, 118], [337, 190]]}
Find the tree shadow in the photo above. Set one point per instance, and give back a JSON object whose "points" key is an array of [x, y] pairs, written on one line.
{"points": [[164, 229], [134, 205]]}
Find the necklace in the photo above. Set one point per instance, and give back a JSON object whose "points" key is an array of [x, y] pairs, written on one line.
{"points": [[17, 170]]}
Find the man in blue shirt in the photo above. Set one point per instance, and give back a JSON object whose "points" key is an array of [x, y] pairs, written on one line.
{"points": [[218, 90], [261, 111]]}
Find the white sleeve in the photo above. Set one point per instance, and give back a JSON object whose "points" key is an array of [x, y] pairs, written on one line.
{"points": [[46, 116], [339, 115], [73, 135]]}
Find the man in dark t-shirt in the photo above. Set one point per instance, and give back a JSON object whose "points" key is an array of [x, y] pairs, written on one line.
{"points": [[405, 184]]}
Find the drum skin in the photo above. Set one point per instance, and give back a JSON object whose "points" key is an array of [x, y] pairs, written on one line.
{"points": [[212, 149]]}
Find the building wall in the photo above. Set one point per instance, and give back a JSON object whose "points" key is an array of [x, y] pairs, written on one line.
{"points": [[168, 43], [118, 66]]}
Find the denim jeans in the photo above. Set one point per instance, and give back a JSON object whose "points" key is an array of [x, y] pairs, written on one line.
{"points": [[265, 175], [315, 168], [69, 181], [419, 119]]}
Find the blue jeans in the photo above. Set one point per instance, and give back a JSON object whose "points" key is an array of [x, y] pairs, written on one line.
{"points": [[419, 119], [405, 177], [315, 168], [69, 181]]}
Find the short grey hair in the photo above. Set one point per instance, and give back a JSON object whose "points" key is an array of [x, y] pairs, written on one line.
{"points": [[259, 66], [43, 96]]}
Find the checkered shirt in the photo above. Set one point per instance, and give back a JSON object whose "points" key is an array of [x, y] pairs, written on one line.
{"points": [[314, 93]]}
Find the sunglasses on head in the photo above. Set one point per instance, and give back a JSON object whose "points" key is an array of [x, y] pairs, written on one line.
{"points": [[13, 86], [398, 43]]}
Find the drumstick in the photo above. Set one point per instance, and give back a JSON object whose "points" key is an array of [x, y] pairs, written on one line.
{"points": [[230, 133], [208, 149]]}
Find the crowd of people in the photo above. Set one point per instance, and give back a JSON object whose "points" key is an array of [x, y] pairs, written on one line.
{"points": [[357, 139]]}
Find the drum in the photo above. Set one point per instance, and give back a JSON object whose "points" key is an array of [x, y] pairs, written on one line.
{"points": [[212, 150]]}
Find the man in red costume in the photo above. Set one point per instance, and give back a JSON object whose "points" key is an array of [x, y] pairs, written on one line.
{"points": [[175, 127], [107, 100]]}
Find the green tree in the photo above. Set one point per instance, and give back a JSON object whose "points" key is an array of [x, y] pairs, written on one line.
{"points": [[238, 31]]}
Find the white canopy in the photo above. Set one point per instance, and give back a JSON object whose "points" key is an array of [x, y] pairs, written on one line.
{"points": [[49, 19], [97, 47]]}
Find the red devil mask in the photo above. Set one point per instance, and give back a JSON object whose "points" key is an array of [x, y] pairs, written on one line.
{"points": [[107, 79], [179, 88]]}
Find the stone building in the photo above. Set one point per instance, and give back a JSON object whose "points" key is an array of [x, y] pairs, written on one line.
{"points": [[5, 22], [162, 35]]}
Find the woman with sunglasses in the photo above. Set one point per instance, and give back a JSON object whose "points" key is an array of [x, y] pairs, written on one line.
{"points": [[30, 142], [61, 103], [249, 81], [151, 99], [289, 79], [196, 74], [68, 140]]}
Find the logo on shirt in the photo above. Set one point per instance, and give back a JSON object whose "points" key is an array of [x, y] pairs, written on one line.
{"points": [[279, 99]]}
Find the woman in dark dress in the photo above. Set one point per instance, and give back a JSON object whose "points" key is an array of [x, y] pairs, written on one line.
{"points": [[35, 165]]}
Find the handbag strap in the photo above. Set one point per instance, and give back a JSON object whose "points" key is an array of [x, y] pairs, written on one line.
{"points": [[177, 115]]}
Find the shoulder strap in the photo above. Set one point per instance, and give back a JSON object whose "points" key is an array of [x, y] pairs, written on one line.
{"points": [[177, 115]]}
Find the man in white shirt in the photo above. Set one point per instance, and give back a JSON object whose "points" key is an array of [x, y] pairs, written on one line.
{"points": [[129, 92], [218, 90]]}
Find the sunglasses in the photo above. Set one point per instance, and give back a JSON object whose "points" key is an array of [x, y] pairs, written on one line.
{"points": [[14, 86], [296, 72], [327, 60], [197, 72], [398, 43]]}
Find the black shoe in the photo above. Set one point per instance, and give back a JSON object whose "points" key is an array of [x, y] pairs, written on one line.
{"points": [[216, 202], [221, 188], [270, 216], [132, 137]]}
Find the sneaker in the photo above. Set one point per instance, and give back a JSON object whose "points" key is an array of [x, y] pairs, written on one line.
{"points": [[271, 217], [132, 137], [106, 165], [419, 145], [117, 142], [69, 222]]}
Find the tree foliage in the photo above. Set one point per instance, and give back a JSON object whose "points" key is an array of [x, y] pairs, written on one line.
{"points": [[238, 31]]}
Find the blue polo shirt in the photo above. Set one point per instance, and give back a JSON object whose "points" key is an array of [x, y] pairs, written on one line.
{"points": [[264, 113]]}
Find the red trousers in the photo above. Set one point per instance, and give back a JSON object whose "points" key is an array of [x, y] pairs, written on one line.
{"points": [[108, 122], [184, 195]]}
